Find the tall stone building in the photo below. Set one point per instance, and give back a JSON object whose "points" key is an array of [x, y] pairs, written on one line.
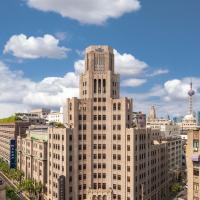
{"points": [[193, 164], [110, 159]]}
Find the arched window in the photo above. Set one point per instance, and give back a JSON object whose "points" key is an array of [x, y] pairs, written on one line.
{"points": [[104, 197], [114, 106], [70, 106], [119, 106]]}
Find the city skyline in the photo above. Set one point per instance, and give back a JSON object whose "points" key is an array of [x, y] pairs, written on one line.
{"points": [[40, 62]]}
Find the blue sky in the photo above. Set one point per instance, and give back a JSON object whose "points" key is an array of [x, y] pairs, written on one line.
{"points": [[162, 36]]}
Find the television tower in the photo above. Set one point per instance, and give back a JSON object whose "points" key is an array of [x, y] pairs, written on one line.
{"points": [[191, 93]]}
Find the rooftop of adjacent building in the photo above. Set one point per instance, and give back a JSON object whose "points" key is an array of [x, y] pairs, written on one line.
{"points": [[47, 110], [38, 132]]}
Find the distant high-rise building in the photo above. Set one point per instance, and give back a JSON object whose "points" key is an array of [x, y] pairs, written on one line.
{"points": [[191, 93], [178, 119], [152, 113], [189, 121], [198, 117]]}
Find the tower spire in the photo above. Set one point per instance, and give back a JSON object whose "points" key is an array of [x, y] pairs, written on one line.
{"points": [[191, 93]]}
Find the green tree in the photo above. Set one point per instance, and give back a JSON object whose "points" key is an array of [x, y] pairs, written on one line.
{"points": [[38, 187], [11, 194], [176, 187], [28, 186], [19, 175]]}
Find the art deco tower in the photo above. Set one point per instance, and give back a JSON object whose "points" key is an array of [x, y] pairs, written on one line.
{"points": [[99, 120], [105, 153]]}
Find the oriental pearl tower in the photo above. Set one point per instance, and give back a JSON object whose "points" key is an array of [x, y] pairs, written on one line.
{"points": [[191, 93]]}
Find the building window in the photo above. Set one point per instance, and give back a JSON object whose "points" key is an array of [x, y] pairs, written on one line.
{"points": [[196, 172], [196, 144], [196, 186], [95, 117], [95, 127], [119, 106], [118, 127]]}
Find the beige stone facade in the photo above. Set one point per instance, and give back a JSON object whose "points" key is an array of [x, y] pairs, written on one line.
{"points": [[32, 154], [110, 159], [60, 163], [193, 164]]}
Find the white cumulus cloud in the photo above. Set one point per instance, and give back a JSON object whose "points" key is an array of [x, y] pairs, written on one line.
{"points": [[133, 82], [169, 98], [19, 93], [22, 46], [159, 72], [126, 64], [87, 11]]}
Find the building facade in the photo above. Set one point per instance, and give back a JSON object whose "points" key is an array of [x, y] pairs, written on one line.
{"points": [[108, 162], [41, 112], [56, 117], [170, 134], [8, 137], [193, 164], [32, 154], [175, 155], [139, 119], [60, 164]]}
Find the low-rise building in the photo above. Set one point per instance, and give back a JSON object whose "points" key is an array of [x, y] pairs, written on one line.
{"points": [[189, 122], [41, 112], [32, 118], [10, 128], [32, 153], [56, 117]]}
